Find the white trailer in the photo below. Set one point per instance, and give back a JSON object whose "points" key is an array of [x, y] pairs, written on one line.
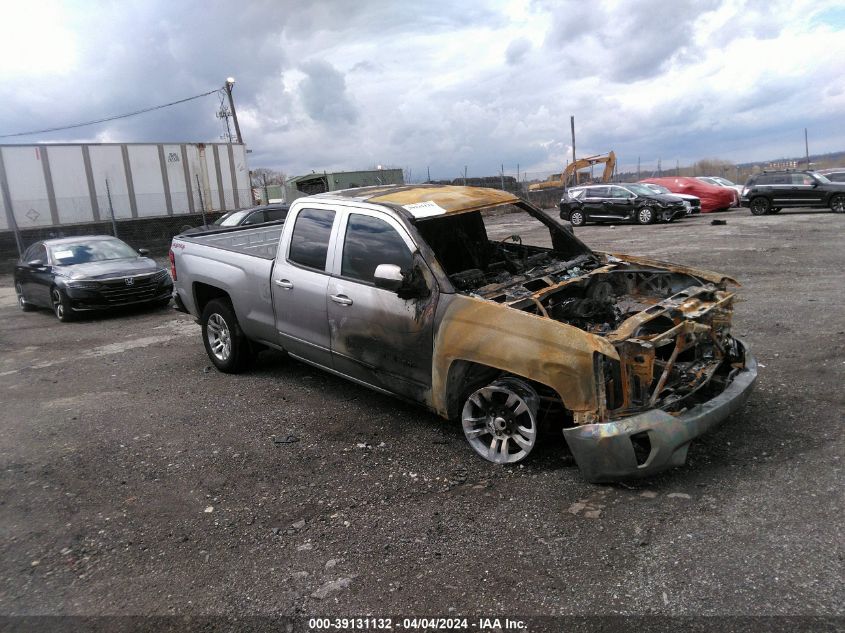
{"points": [[57, 184]]}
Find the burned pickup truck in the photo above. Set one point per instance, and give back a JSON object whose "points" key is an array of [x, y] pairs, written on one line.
{"points": [[482, 308]]}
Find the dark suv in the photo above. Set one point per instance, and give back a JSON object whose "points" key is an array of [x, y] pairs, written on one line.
{"points": [[618, 202], [771, 191]]}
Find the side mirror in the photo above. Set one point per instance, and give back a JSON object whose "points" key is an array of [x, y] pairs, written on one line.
{"points": [[388, 276], [143, 252], [36, 263]]}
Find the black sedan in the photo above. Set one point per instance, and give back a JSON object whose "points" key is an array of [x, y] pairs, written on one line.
{"points": [[245, 217], [94, 272], [619, 202]]}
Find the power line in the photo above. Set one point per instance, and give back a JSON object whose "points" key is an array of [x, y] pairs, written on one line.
{"points": [[111, 118]]}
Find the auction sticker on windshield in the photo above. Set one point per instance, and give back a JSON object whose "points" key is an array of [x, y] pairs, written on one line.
{"points": [[425, 209]]}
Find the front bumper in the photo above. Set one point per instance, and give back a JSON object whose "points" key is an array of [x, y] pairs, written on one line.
{"points": [[606, 452]]}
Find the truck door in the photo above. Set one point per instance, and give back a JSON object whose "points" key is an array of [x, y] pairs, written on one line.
{"points": [[300, 280], [376, 336]]}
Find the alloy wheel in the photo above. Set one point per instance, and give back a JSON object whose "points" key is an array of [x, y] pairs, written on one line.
{"points": [[500, 421], [219, 337]]}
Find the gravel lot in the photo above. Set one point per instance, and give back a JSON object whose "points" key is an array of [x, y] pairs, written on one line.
{"points": [[136, 479]]}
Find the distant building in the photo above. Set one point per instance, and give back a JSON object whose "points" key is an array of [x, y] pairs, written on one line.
{"points": [[311, 184]]}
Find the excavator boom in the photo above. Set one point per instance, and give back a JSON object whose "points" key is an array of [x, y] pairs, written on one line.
{"points": [[570, 175]]}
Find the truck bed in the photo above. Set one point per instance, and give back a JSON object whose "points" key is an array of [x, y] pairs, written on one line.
{"points": [[260, 241]]}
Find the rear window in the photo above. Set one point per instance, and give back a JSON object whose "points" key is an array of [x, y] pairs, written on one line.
{"points": [[309, 243]]}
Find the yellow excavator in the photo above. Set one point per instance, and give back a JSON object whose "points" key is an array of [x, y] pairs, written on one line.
{"points": [[570, 176]]}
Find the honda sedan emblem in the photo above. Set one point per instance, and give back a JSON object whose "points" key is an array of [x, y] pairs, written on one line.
{"points": [[129, 281]]}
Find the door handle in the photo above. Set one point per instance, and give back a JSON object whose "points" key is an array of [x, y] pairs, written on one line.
{"points": [[284, 283], [341, 299]]}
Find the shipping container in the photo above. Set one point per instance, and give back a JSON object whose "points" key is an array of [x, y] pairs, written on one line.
{"points": [[53, 185]]}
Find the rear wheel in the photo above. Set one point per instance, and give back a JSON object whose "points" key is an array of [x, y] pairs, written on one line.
{"points": [[500, 420], [576, 218], [837, 203], [61, 305], [22, 303], [760, 206], [645, 215], [225, 344]]}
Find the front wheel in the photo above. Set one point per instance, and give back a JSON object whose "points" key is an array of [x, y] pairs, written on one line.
{"points": [[760, 206], [22, 303], [645, 215], [576, 218], [837, 203], [225, 344], [500, 420], [61, 305]]}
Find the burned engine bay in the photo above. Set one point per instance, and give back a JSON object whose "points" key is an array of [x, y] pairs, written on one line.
{"points": [[671, 329]]}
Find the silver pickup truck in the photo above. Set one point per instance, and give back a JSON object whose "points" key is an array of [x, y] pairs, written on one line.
{"points": [[482, 308]]}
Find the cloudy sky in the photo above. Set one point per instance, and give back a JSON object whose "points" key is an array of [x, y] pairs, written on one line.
{"points": [[439, 84]]}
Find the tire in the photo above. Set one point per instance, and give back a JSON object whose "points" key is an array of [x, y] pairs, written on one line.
{"points": [[577, 218], [224, 342], [760, 206], [646, 215], [61, 305], [22, 303], [837, 203], [500, 417]]}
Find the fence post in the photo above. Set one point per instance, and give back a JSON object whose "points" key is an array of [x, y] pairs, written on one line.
{"points": [[202, 204], [111, 209]]}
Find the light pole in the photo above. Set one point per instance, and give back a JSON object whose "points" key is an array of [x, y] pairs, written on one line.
{"points": [[230, 81]]}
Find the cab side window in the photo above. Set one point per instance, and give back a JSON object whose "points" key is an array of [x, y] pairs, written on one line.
{"points": [[370, 242], [309, 243]]}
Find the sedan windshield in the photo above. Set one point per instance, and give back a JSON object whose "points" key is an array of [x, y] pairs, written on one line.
{"points": [[98, 251], [232, 218], [640, 189], [823, 179], [659, 189]]}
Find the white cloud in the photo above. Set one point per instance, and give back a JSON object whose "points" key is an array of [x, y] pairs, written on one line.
{"points": [[444, 84]]}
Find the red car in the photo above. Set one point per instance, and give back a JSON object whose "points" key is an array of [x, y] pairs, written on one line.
{"points": [[713, 198]]}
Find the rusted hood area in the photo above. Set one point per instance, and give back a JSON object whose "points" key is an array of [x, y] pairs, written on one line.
{"points": [[708, 275]]}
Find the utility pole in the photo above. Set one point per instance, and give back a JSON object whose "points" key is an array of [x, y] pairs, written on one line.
{"points": [[677, 167], [465, 175], [224, 113], [572, 125], [638, 167], [807, 148], [230, 81], [659, 168], [428, 170], [503, 176]]}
